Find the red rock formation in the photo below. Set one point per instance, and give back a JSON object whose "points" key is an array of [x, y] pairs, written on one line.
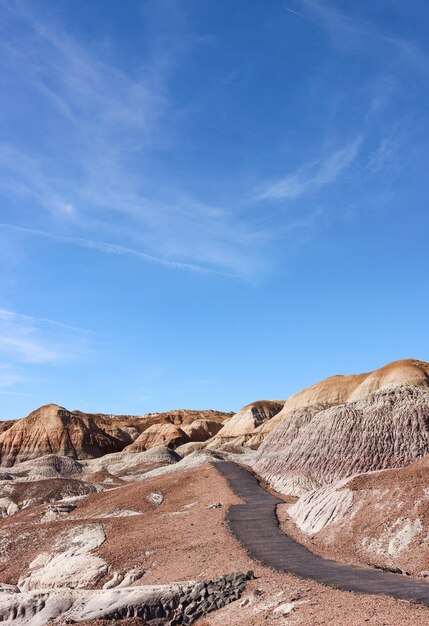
{"points": [[54, 430]]}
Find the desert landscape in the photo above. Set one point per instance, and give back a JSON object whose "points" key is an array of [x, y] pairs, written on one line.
{"points": [[213, 257], [132, 520]]}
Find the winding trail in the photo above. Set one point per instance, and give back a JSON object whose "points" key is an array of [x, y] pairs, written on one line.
{"points": [[255, 526]]}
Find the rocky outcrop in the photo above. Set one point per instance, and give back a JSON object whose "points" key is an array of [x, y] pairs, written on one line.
{"points": [[206, 597], [310, 447], [177, 604], [342, 389], [242, 426]]}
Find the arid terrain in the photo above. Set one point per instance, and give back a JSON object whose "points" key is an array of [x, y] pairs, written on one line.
{"points": [[102, 515]]}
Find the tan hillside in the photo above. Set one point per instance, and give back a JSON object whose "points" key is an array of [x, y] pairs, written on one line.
{"points": [[159, 435], [242, 426], [172, 435], [5, 425], [202, 429], [340, 389]]}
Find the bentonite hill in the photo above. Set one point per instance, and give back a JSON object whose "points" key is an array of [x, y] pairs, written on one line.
{"points": [[118, 519]]}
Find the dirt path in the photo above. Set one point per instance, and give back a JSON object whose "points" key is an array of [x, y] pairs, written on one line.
{"points": [[255, 525]]}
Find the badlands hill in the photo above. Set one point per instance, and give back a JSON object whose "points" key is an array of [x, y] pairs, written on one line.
{"points": [[52, 429], [242, 426], [347, 425], [389, 428], [341, 389], [97, 509], [172, 434]]}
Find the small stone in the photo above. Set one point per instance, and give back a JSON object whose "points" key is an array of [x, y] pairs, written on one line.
{"points": [[215, 505], [199, 613], [250, 574], [191, 608], [155, 498], [284, 609]]}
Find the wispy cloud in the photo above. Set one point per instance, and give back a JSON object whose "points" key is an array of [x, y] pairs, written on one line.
{"points": [[348, 29], [14, 317], [329, 16], [32, 347], [22, 346], [383, 152], [111, 248], [297, 13], [8, 377], [107, 122], [314, 175], [25, 339]]}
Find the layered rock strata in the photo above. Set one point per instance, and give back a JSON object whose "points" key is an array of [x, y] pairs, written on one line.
{"points": [[52, 429], [312, 447], [341, 389]]}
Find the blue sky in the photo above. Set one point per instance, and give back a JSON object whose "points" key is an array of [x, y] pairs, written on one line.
{"points": [[207, 203]]}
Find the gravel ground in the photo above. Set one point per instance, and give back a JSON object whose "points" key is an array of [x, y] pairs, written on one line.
{"points": [[182, 539]]}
